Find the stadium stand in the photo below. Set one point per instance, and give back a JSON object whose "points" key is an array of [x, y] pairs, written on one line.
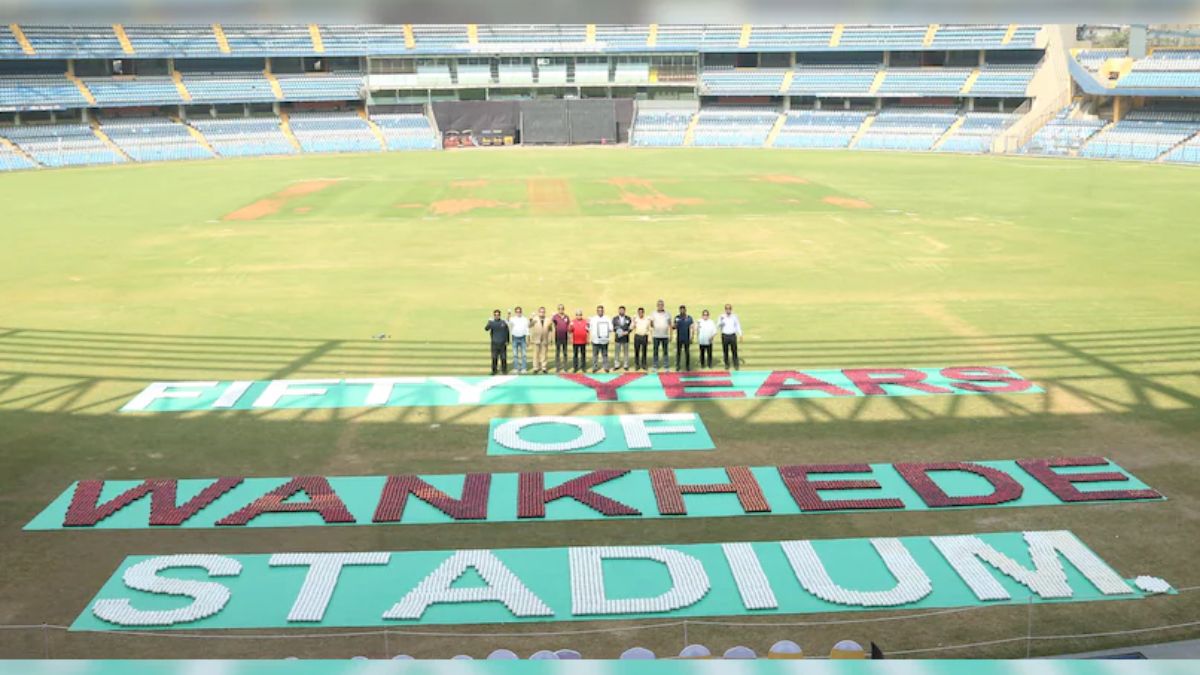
{"points": [[924, 81], [832, 80], [321, 86], [976, 133], [1187, 152], [244, 137], [170, 41], [333, 132], [756, 81], [117, 92], [1143, 135], [407, 131], [719, 126], [622, 38], [73, 41], [1063, 135], [269, 40], [57, 145], [1166, 69], [907, 128], [154, 139], [787, 38], [820, 128], [33, 92], [11, 157], [660, 128]]}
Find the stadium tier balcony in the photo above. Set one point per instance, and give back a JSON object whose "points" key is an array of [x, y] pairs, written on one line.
{"points": [[245, 137], [333, 132], [832, 80], [133, 91], [754, 81], [229, 88], [1000, 81], [876, 37], [57, 145], [787, 38], [269, 40], [406, 131], [154, 139], [441, 38], [172, 41], [733, 127], [819, 128], [32, 92], [73, 41], [924, 81], [321, 87], [622, 38], [681, 37]]}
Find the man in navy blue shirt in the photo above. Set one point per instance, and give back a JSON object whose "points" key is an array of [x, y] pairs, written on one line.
{"points": [[684, 327], [499, 329]]}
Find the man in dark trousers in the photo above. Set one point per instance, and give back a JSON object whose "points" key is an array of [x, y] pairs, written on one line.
{"points": [[731, 332], [683, 340], [499, 329], [562, 339], [622, 326]]}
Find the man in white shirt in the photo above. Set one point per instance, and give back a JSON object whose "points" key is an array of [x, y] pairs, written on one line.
{"points": [[706, 330], [660, 330], [518, 328], [731, 331], [600, 330]]}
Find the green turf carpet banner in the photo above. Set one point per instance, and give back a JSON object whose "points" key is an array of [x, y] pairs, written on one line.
{"points": [[200, 591], [574, 388], [605, 433], [534, 496], [767, 666]]}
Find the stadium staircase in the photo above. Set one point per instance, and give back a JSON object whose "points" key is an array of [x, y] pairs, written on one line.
{"points": [[286, 125], [862, 130], [652, 35], [26, 45], [786, 84], [383, 145], [276, 89], [835, 38], [966, 88], [929, 35], [199, 136], [877, 82], [1171, 149], [126, 45], [315, 33], [222, 42], [775, 129], [5, 143], [409, 40], [99, 133], [83, 90], [1008, 36], [949, 132], [744, 38], [1102, 130], [184, 94], [590, 34], [689, 136]]}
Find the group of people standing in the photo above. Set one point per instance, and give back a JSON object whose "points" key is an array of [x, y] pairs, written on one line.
{"points": [[571, 337]]}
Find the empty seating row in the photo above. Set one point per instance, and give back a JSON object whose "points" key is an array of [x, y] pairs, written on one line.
{"points": [[133, 91], [167, 40], [1188, 152], [977, 132], [924, 81], [733, 127], [819, 128], [73, 41], [660, 128], [10, 158], [333, 132], [1002, 81], [57, 145], [907, 128], [321, 87], [1062, 135], [1137, 139], [245, 137], [406, 131], [154, 139], [790, 37], [750, 82], [531, 33], [34, 92], [979, 36]]}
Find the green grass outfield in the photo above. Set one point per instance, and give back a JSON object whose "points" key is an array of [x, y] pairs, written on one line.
{"points": [[1082, 276]]}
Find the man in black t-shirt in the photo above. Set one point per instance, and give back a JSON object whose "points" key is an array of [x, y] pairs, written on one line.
{"points": [[499, 329], [684, 327]]}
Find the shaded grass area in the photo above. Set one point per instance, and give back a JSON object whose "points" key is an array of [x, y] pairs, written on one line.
{"points": [[1081, 276]]}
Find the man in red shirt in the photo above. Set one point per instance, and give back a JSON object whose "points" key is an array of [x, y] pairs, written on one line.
{"points": [[562, 338], [579, 339]]}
